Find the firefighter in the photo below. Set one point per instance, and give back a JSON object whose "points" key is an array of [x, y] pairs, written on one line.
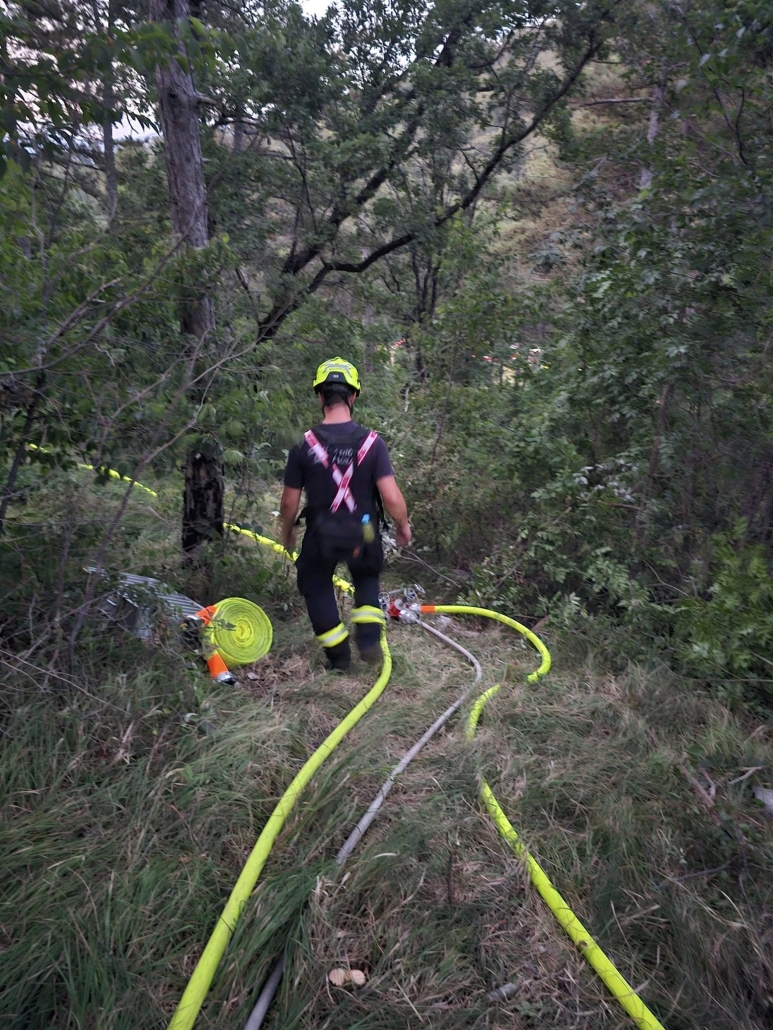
{"points": [[347, 475]]}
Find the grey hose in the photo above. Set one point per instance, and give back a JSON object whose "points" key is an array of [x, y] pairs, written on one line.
{"points": [[271, 986], [358, 831]]}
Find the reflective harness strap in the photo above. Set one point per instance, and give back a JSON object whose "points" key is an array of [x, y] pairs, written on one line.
{"points": [[367, 443], [317, 447], [341, 479], [344, 495]]}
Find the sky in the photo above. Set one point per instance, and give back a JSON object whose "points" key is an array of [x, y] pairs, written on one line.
{"points": [[315, 6]]}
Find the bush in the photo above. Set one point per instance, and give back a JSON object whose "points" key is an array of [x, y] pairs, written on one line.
{"points": [[727, 636]]}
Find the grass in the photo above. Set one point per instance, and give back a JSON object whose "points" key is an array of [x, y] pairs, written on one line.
{"points": [[134, 788], [128, 818]]}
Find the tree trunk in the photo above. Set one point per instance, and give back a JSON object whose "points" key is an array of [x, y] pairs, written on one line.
{"points": [[108, 103], [758, 499], [18, 457], [203, 501], [178, 104], [111, 173], [642, 529], [238, 137], [653, 126]]}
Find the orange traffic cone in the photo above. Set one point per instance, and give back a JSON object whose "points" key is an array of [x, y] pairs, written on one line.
{"points": [[218, 670]]}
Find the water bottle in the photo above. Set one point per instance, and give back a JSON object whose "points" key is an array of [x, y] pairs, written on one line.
{"points": [[368, 530]]}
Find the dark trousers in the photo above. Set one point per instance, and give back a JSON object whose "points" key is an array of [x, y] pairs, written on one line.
{"points": [[315, 582]]}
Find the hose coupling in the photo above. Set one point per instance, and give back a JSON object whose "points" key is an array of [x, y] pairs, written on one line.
{"points": [[414, 592], [398, 609]]}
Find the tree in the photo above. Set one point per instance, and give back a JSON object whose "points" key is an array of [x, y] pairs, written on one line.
{"points": [[179, 104], [376, 145], [366, 132], [659, 387]]}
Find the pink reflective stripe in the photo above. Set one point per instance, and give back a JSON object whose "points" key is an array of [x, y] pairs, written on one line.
{"points": [[342, 480], [370, 439], [317, 447], [344, 495]]}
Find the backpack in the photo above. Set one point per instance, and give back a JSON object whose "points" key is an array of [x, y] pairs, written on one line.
{"points": [[340, 530]]}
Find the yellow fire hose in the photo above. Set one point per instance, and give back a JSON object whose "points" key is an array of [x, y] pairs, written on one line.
{"points": [[202, 976], [103, 470], [612, 978], [274, 546], [239, 632]]}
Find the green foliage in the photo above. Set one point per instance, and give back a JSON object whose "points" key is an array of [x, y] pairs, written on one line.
{"points": [[64, 73], [571, 438], [728, 635]]}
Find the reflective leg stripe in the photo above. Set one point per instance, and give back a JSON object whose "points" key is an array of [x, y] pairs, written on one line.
{"points": [[333, 636], [367, 613]]}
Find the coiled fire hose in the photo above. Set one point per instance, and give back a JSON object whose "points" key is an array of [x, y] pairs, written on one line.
{"points": [[236, 632], [240, 631]]}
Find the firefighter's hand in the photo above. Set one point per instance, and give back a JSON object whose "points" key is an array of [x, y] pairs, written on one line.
{"points": [[403, 534]]}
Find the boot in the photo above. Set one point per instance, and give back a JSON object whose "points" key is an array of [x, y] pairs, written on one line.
{"points": [[339, 657]]}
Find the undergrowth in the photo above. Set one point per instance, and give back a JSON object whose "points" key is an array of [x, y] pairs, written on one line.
{"points": [[134, 788]]}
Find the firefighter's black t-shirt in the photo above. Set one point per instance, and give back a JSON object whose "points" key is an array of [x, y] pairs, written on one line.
{"points": [[342, 440]]}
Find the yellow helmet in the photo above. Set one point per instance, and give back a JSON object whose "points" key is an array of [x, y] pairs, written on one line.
{"points": [[336, 370]]}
